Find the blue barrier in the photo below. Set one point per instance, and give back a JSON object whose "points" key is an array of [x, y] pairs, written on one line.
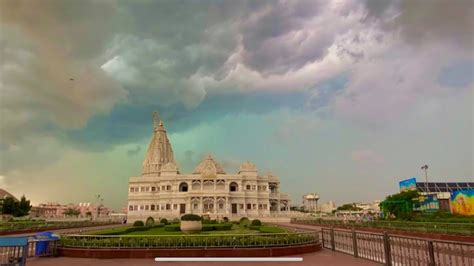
{"points": [[13, 250], [43, 240]]}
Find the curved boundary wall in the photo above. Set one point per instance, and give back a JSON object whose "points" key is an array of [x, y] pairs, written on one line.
{"points": [[110, 253]]}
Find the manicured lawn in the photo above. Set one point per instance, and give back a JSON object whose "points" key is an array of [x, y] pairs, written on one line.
{"points": [[236, 229]]}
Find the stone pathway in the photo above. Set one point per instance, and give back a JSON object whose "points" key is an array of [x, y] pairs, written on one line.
{"points": [[323, 257]]}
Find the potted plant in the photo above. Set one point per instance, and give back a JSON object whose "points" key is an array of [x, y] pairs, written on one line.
{"points": [[191, 223]]}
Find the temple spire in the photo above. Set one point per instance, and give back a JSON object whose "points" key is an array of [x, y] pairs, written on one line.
{"points": [[159, 151], [156, 120]]}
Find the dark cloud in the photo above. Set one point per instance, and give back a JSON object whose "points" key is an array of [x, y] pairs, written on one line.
{"points": [[132, 123], [135, 151], [422, 22]]}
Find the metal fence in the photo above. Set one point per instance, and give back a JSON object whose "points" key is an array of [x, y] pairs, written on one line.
{"points": [[190, 241], [13, 254], [426, 227], [398, 250]]}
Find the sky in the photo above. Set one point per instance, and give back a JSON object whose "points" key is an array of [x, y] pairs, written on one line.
{"points": [[341, 98]]}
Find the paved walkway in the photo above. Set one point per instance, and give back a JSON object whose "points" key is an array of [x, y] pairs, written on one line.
{"points": [[324, 257]]}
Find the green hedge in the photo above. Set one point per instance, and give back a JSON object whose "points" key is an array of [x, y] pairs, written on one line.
{"points": [[256, 222], [231, 240], [172, 228], [271, 229], [138, 223]]}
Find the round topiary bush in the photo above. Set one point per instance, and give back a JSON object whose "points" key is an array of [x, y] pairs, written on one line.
{"points": [[225, 220], [190, 217], [138, 223], [150, 222], [164, 221], [175, 221], [244, 221], [256, 222]]}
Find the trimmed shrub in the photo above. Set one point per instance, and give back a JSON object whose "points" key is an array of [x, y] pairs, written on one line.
{"points": [[164, 221], [271, 229], [150, 221], [243, 218], [225, 220], [172, 228], [223, 227], [256, 222], [138, 223], [158, 225], [208, 227], [254, 227], [244, 221], [191, 217], [209, 221], [175, 221]]}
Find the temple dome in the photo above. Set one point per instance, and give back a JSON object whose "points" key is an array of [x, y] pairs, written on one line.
{"points": [[248, 167], [208, 168], [169, 167]]}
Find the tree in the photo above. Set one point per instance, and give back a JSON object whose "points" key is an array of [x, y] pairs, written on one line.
{"points": [[16, 208], [23, 207], [9, 206], [71, 212], [400, 204], [348, 207]]}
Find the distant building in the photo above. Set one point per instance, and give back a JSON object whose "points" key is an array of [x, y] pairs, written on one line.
{"points": [[439, 195], [310, 202], [56, 211], [5, 194], [369, 207], [328, 207]]}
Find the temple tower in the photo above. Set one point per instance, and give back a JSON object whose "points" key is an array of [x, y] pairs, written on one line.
{"points": [[159, 151]]}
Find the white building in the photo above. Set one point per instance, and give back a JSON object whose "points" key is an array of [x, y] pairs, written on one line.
{"points": [[328, 207], [310, 202], [163, 192]]}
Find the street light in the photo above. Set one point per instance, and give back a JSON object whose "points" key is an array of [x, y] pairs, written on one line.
{"points": [[99, 200], [425, 167]]}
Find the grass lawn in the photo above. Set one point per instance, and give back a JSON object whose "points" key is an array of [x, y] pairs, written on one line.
{"points": [[236, 229]]}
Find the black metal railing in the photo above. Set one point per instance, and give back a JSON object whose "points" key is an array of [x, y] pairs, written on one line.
{"points": [[398, 250], [466, 229]]}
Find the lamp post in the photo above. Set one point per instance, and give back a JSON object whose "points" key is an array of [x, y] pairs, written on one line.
{"points": [[99, 200], [425, 167]]}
